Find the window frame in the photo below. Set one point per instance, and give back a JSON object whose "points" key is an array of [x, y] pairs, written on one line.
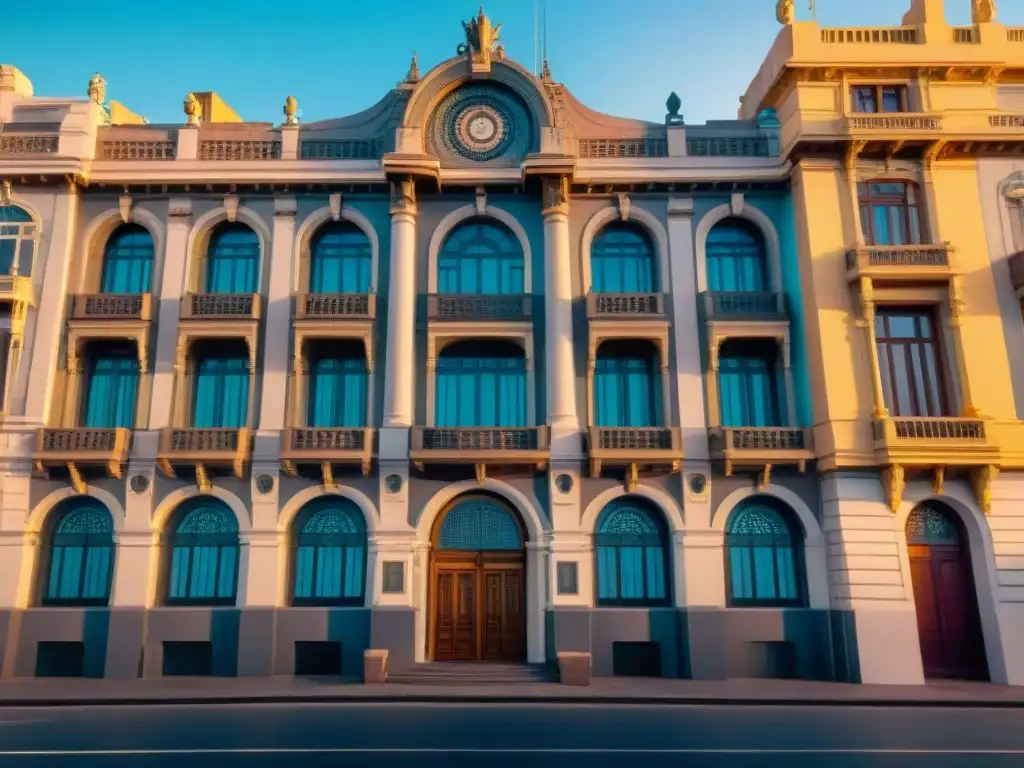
{"points": [[106, 349], [226, 229], [885, 359], [878, 93], [113, 247], [607, 252], [515, 251], [766, 352], [20, 230], [738, 255], [656, 518], [309, 511], [796, 545], [62, 512], [909, 210], [221, 540], [341, 229], [617, 358]]}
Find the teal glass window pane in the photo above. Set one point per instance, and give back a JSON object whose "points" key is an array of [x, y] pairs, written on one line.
{"points": [[735, 255], [111, 387], [479, 524], [932, 524], [764, 555], [630, 549], [330, 553], [233, 260], [480, 391], [341, 260], [627, 392], [13, 240], [81, 554], [221, 392], [481, 256], [128, 261], [748, 391], [337, 392], [622, 260], [203, 562]]}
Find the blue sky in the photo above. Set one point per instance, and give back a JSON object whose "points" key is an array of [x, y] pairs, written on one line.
{"points": [[340, 56]]}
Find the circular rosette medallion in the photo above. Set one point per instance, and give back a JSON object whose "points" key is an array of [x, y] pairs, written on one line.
{"points": [[479, 123], [480, 129]]}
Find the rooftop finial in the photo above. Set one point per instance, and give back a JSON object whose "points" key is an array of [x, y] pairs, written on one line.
{"points": [[983, 11], [291, 107], [193, 109], [413, 75], [481, 40], [785, 12], [97, 90], [545, 71], [673, 104]]}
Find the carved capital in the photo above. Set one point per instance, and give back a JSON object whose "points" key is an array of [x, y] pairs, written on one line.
{"points": [[124, 207], [403, 196], [623, 203], [981, 482], [334, 203], [555, 195], [231, 207], [893, 483]]}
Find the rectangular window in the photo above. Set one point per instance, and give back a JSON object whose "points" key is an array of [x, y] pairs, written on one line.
{"points": [[221, 394], [394, 577], [910, 359], [111, 386], [337, 392], [748, 391], [890, 213], [481, 392], [879, 98], [567, 578]]}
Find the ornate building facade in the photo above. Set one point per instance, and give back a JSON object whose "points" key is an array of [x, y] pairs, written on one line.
{"points": [[481, 374]]}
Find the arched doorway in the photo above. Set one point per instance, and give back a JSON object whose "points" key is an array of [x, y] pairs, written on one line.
{"points": [[948, 621], [477, 591]]}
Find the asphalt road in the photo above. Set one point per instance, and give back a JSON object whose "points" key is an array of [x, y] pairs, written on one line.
{"points": [[500, 736]]}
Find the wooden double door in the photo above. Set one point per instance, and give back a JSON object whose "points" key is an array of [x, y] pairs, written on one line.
{"points": [[948, 620], [477, 607]]}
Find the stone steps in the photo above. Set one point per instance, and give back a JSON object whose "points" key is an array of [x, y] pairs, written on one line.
{"points": [[473, 673]]}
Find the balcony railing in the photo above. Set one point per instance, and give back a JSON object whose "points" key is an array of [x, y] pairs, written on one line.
{"points": [[611, 149], [479, 307], [637, 446], [28, 145], [202, 445], [893, 122], [319, 445], [222, 306], [758, 446], [934, 440], [139, 149], [624, 306], [905, 35], [82, 444], [245, 149], [480, 445], [1006, 121], [899, 262], [112, 306], [744, 305], [335, 306]]}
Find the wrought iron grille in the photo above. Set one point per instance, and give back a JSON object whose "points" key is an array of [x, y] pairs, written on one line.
{"points": [[222, 304], [894, 122], [939, 429], [725, 146], [497, 307], [634, 438], [485, 439], [144, 149], [221, 149], [337, 305], [114, 305], [328, 439], [602, 149], [744, 304], [74, 440], [28, 145], [192, 440], [870, 35], [899, 256], [628, 304], [1006, 121], [767, 439]]}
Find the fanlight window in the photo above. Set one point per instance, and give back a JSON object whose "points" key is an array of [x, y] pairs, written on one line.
{"points": [[481, 256], [204, 548], [128, 261], [622, 260], [330, 553], [233, 260], [81, 554], [630, 550], [932, 525], [764, 556], [736, 261], [341, 260], [479, 524], [18, 237]]}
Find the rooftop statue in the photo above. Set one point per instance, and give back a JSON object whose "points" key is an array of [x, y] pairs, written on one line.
{"points": [[97, 90], [785, 11], [983, 11], [481, 38]]}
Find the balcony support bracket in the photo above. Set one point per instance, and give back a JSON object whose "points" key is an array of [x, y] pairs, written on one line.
{"points": [[632, 477], [481, 473], [938, 480], [893, 483], [365, 465], [676, 465], [202, 479], [327, 471], [77, 481], [766, 477], [238, 465], [728, 467], [595, 467], [289, 468], [981, 481], [801, 466], [166, 467]]}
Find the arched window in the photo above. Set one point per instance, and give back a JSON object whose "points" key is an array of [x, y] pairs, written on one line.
{"points": [[931, 524], [18, 235], [481, 385], [233, 259], [481, 256], [736, 260], [479, 524], [341, 259], [128, 261], [221, 384], [627, 387], [630, 552], [337, 384], [111, 385], [764, 554], [889, 213], [203, 567], [622, 260], [81, 554], [330, 553], [748, 383]]}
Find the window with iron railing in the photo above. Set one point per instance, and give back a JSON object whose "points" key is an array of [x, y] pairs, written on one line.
{"points": [[481, 256], [128, 261], [874, 98], [627, 386], [622, 260], [890, 213], [911, 362], [736, 257], [340, 260]]}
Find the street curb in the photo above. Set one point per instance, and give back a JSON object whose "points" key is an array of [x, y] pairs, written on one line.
{"points": [[419, 698]]}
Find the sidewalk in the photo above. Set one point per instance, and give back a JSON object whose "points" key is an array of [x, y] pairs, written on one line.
{"points": [[167, 691]]}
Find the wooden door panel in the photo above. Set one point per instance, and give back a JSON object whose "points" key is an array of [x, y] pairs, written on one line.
{"points": [[444, 614], [455, 630], [927, 616], [479, 612], [465, 616], [514, 629]]}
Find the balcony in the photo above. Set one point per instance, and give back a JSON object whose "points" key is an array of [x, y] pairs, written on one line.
{"points": [[112, 307], [900, 263], [634, 447], [327, 446], [480, 446], [934, 442], [1016, 263], [762, 447], [82, 447], [202, 447], [335, 307], [871, 125], [744, 306], [626, 306], [221, 306], [479, 308]]}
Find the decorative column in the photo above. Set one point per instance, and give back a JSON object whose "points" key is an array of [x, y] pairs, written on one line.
{"points": [[400, 379], [850, 166], [558, 337], [867, 321], [72, 385], [956, 310], [176, 258]]}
